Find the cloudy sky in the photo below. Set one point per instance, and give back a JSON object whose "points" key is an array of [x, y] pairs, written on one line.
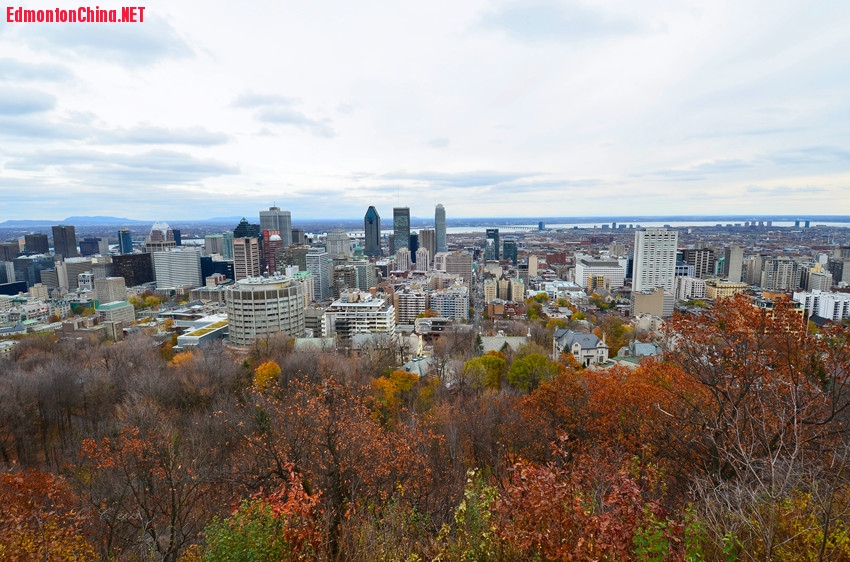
{"points": [[494, 108]]}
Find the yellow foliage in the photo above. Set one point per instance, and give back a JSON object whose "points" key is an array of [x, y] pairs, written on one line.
{"points": [[181, 359], [265, 374]]}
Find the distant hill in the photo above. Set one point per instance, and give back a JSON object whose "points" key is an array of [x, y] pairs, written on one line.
{"points": [[75, 221]]}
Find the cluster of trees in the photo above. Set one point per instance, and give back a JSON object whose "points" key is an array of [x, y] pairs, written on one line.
{"points": [[733, 447]]}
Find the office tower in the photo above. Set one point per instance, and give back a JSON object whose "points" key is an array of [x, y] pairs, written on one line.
{"points": [[9, 251], [272, 242], [213, 244], [293, 256], [65, 241], [402, 260], [423, 259], [125, 241], [160, 239], [260, 307], [372, 226], [428, 240], [110, 289], [178, 239], [702, 259], [7, 272], [177, 268], [780, 274], [136, 269], [275, 219], [298, 236], [491, 248], [246, 258], [440, 228], [338, 243], [36, 244], [733, 262], [245, 230], [532, 266], [413, 245], [90, 246], [401, 228], [751, 270], [318, 263], [510, 250], [459, 263], [655, 259], [227, 245]]}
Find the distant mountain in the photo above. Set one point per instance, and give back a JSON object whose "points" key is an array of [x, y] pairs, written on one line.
{"points": [[225, 219], [73, 221], [101, 220]]}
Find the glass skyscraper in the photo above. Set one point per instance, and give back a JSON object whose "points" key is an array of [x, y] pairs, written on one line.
{"points": [[440, 227]]}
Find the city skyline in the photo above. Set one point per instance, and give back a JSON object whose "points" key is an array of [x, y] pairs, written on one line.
{"points": [[493, 108]]}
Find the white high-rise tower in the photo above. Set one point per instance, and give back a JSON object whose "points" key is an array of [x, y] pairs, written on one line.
{"points": [[655, 259]]}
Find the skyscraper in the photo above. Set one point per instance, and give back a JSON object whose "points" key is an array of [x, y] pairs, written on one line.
{"points": [[125, 241], [440, 227], [65, 241], [372, 226], [491, 249], [510, 250], [36, 243], [318, 264], [428, 240], [275, 219], [401, 228], [246, 258], [655, 259]]}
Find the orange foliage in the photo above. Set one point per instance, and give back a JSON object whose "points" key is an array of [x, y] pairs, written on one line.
{"points": [[40, 520]]}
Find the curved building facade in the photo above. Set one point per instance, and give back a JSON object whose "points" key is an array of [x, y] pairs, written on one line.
{"points": [[259, 307]]}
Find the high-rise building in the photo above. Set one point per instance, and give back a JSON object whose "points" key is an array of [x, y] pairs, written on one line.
{"points": [[401, 228], [408, 304], [655, 259], [125, 241], [36, 244], [65, 241], [372, 226], [262, 306], [91, 245], [272, 243], [227, 245], [423, 259], [293, 256], [318, 263], [459, 263], [245, 230], [780, 274], [402, 259], [213, 244], [160, 239], [136, 269], [428, 240], [702, 259], [733, 262], [413, 245], [491, 248], [510, 250], [110, 289], [275, 219], [338, 243], [440, 228], [9, 251], [246, 258], [177, 268], [298, 236], [451, 303]]}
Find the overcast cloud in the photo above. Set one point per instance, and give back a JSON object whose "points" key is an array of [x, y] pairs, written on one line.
{"points": [[491, 107]]}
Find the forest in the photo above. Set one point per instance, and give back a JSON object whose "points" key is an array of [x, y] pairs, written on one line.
{"points": [[732, 446]]}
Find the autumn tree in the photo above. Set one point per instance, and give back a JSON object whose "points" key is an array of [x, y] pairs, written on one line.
{"points": [[41, 519]]}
